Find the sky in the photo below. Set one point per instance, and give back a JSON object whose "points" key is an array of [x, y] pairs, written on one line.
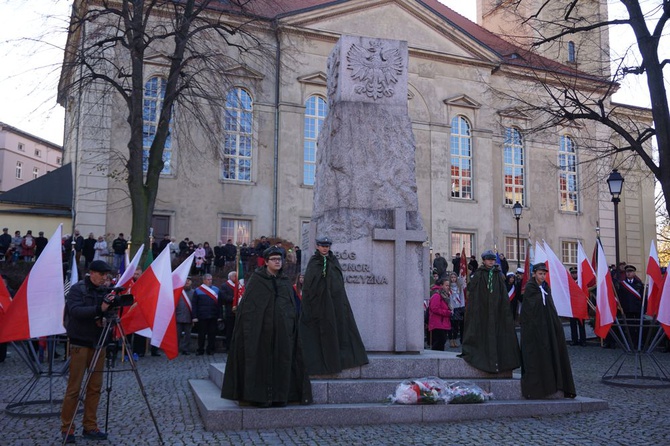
{"points": [[32, 37]]}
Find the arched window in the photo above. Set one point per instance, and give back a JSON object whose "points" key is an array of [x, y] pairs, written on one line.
{"points": [[316, 109], [514, 167], [567, 175], [572, 57], [461, 158], [238, 136], [154, 93]]}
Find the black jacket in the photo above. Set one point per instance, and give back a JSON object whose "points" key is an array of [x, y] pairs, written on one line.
{"points": [[83, 312]]}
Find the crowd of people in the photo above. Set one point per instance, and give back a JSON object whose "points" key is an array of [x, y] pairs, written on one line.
{"points": [[26, 248]]}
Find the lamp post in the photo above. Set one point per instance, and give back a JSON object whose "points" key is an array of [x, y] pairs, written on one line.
{"points": [[517, 209], [615, 184]]}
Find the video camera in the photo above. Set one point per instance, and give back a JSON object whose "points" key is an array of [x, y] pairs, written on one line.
{"points": [[116, 300]]}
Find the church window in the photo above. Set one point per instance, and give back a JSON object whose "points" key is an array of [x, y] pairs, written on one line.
{"points": [[514, 167], [461, 158], [510, 249], [571, 52], [460, 240], [154, 93], [569, 252], [239, 231], [567, 175], [316, 109], [237, 140]]}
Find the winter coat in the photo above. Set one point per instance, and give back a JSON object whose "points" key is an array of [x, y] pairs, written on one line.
{"points": [[440, 314], [265, 363], [330, 338]]}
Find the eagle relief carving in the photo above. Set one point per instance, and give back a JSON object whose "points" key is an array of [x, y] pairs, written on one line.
{"points": [[376, 68]]}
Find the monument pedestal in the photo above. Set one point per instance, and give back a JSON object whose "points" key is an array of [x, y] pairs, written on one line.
{"points": [[358, 396]]}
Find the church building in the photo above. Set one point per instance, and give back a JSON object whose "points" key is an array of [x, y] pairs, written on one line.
{"points": [[479, 150]]}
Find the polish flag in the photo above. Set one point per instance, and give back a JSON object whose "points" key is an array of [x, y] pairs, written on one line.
{"points": [[541, 257], [155, 300], [125, 279], [37, 308], [179, 276], [586, 276], [605, 300], [664, 306], [569, 299], [654, 281]]}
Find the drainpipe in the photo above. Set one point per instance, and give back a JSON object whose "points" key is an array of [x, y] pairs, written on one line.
{"points": [[275, 179]]}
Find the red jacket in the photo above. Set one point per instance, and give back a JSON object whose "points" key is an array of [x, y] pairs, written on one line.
{"points": [[439, 313]]}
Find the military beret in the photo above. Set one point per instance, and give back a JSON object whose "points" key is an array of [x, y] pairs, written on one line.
{"points": [[272, 251], [540, 267], [324, 241], [488, 255]]}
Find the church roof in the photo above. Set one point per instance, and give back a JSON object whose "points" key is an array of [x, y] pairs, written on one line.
{"points": [[52, 190], [509, 53]]}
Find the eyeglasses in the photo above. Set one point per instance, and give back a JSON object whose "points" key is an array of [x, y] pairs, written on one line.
{"points": [[275, 259]]}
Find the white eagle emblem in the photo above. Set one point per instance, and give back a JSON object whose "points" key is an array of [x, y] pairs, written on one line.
{"points": [[376, 67]]}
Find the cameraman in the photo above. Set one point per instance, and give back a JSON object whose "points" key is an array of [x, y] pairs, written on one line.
{"points": [[85, 306]]}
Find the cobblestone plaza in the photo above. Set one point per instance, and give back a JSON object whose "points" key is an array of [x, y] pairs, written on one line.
{"points": [[636, 416]]}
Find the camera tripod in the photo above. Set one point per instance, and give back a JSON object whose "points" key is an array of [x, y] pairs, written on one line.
{"points": [[112, 326]]}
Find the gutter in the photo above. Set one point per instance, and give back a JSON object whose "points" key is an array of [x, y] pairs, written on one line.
{"points": [[275, 170]]}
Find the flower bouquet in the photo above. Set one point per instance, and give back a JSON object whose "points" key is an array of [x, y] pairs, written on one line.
{"points": [[461, 392], [420, 391]]}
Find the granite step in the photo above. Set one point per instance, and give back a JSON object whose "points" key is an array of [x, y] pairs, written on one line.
{"points": [[330, 390], [219, 414]]}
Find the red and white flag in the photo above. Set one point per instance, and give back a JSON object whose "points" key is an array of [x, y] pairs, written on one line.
{"points": [[155, 300], [540, 255], [586, 276], [37, 308], [664, 306], [605, 300], [179, 276], [569, 299], [125, 279], [654, 281]]}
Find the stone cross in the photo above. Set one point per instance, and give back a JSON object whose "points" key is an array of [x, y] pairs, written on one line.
{"points": [[401, 236]]}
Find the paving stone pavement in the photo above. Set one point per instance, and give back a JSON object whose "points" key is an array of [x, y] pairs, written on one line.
{"points": [[636, 416]]}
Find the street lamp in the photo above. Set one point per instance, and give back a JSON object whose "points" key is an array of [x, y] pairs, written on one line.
{"points": [[615, 183], [517, 209]]}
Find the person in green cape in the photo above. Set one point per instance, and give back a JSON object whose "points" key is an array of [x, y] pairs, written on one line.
{"points": [[546, 364], [489, 336], [330, 338], [265, 364]]}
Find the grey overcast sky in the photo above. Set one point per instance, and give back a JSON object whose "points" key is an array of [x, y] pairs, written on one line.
{"points": [[32, 36]]}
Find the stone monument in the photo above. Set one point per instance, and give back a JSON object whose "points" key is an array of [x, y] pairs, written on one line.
{"points": [[365, 193]]}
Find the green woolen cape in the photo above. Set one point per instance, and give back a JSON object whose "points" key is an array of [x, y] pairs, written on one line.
{"points": [[265, 363], [330, 338], [546, 364], [489, 336]]}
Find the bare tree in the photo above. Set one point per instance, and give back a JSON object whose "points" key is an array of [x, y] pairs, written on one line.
{"points": [[573, 96], [195, 42]]}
